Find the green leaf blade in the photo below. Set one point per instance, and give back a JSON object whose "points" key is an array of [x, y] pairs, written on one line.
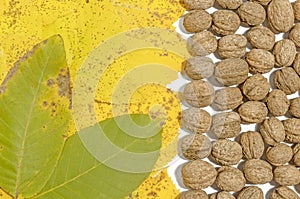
{"points": [[80, 175], [33, 119]]}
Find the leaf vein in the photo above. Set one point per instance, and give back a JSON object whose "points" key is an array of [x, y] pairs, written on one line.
{"points": [[19, 165], [86, 172]]}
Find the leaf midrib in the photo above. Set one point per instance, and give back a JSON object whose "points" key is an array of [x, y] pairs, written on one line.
{"points": [[19, 166], [86, 172]]}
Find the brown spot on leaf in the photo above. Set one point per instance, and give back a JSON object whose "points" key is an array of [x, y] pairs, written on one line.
{"points": [[53, 112], [64, 88], [45, 104], [152, 193], [50, 82]]}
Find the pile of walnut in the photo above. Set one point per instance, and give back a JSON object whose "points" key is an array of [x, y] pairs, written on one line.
{"points": [[272, 153]]}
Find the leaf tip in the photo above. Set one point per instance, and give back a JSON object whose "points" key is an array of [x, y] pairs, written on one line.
{"points": [[57, 38]]}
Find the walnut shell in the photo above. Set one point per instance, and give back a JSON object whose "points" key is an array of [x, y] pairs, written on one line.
{"points": [[195, 146], [252, 13], [292, 130], [272, 131], [277, 102], [295, 35], [198, 174], [231, 71], [283, 193], [279, 154], [253, 112], [197, 21], [198, 67], [232, 46], [258, 171], [296, 8], [226, 152], [226, 125], [196, 120], [225, 22], [252, 144], [260, 61], [222, 195], [287, 80], [262, 2], [251, 193], [261, 37], [296, 154], [287, 175], [280, 15], [284, 52], [230, 179], [296, 64], [295, 107], [193, 194], [202, 44], [230, 4], [228, 98], [197, 4], [256, 87], [199, 93]]}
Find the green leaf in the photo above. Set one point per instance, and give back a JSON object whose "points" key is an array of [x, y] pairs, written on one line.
{"points": [[34, 117], [79, 175]]}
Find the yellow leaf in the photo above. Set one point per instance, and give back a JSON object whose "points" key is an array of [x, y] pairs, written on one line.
{"points": [[4, 195], [84, 24], [158, 186]]}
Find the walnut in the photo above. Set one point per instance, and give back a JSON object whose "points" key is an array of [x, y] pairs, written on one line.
{"points": [[261, 37], [278, 102], [197, 21], [226, 125], [256, 87], [198, 67], [258, 171], [198, 174], [199, 93], [231, 71], [284, 52], [227, 152], [279, 154], [253, 112], [232, 46], [280, 15], [260, 61], [252, 13], [287, 175], [252, 144], [230, 179], [225, 22], [287, 80], [228, 98], [272, 131], [196, 146], [202, 44]]}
